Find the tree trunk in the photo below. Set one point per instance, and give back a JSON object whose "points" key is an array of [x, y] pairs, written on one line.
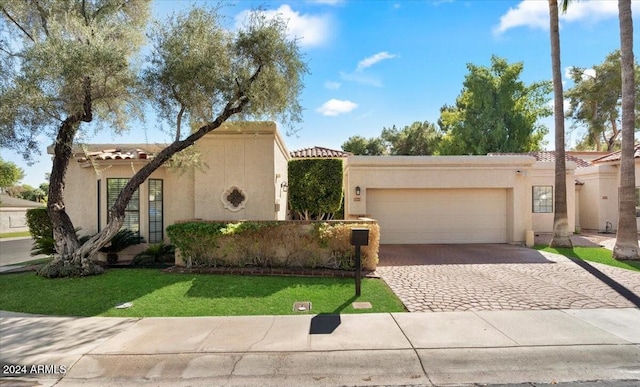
{"points": [[561, 235], [626, 246], [72, 258], [64, 233]]}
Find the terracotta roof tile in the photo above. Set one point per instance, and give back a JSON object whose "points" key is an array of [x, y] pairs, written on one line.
{"points": [[615, 156], [548, 156], [318, 152], [116, 154]]}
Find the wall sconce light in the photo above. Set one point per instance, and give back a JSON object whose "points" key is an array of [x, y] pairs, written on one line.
{"points": [[358, 191], [284, 186], [521, 173]]}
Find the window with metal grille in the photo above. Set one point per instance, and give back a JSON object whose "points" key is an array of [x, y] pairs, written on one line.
{"points": [[132, 212], [542, 198], [155, 211]]}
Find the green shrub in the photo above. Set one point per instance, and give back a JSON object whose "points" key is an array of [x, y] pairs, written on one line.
{"points": [[123, 239], [156, 253], [273, 244], [39, 223], [315, 187]]}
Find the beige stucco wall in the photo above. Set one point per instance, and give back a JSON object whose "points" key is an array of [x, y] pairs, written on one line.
{"points": [[543, 173], [242, 155], [599, 195], [402, 172], [281, 181], [81, 193]]}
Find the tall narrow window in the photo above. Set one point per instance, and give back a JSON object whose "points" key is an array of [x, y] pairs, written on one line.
{"points": [[542, 198], [155, 211], [132, 212]]}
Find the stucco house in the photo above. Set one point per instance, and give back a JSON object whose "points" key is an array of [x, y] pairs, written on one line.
{"points": [[503, 198], [243, 175], [598, 206]]}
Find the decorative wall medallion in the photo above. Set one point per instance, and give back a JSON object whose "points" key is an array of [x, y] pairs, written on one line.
{"points": [[234, 198]]}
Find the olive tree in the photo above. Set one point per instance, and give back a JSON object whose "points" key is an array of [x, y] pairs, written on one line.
{"points": [[77, 62]]}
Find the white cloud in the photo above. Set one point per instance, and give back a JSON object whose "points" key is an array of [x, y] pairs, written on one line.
{"points": [[588, 73], [311, 30], [535, 13], [332, 85], [370, 61], [334, 107]]}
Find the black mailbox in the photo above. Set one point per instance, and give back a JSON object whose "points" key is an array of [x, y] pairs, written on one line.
{"points": [[359, 236]]}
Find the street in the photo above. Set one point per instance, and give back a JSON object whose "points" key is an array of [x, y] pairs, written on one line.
{"points": [[16, 250]]}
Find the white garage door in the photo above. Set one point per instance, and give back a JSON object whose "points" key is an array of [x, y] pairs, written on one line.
{"points": [[435, 216]]}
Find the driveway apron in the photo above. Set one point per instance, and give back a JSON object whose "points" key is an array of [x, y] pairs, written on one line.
{"points": [[476, 277]]}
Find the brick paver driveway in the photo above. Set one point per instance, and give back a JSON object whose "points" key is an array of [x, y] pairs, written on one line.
{"points": [[501, 277]]}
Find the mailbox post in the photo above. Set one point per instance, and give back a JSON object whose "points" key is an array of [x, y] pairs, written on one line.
{"points": [[359, 237]]}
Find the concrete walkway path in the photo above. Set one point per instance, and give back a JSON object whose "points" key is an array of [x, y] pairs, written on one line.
{"points": [[426, 349]]}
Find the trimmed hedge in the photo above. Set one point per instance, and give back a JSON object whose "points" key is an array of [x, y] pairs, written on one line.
{"points": [[39, 223], [298, 244], [315, 187]]}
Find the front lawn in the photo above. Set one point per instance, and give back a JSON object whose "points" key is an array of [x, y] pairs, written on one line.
{"points": [[157, 294], [592, 254], [15, 234]]}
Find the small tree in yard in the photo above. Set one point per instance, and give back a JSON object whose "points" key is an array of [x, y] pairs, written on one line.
{"points": [[70, 62]]}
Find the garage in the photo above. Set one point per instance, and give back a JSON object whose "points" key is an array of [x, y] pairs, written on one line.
{"points": [[435, 216]]}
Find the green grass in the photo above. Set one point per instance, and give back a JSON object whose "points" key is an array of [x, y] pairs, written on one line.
{"points": [[154, 293], [15, 234], [592, 254]]}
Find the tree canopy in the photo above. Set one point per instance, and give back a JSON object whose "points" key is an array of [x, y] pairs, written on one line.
{"points": [[10, 174], [76, 62], [596, 103], [417, 139], [362, 146], [495, 112]]}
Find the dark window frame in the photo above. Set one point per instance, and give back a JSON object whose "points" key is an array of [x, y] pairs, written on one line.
{"points": [[156, 215]]}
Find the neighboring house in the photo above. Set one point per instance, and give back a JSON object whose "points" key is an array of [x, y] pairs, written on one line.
{"points": [[599, 194], [504, 198], [242, 175], [13, 213]]}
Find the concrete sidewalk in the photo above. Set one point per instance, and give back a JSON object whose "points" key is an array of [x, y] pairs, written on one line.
{"points": [[447, 348]]}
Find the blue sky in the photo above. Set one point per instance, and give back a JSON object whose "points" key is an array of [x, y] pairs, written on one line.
{"points": [[375, 64]]}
